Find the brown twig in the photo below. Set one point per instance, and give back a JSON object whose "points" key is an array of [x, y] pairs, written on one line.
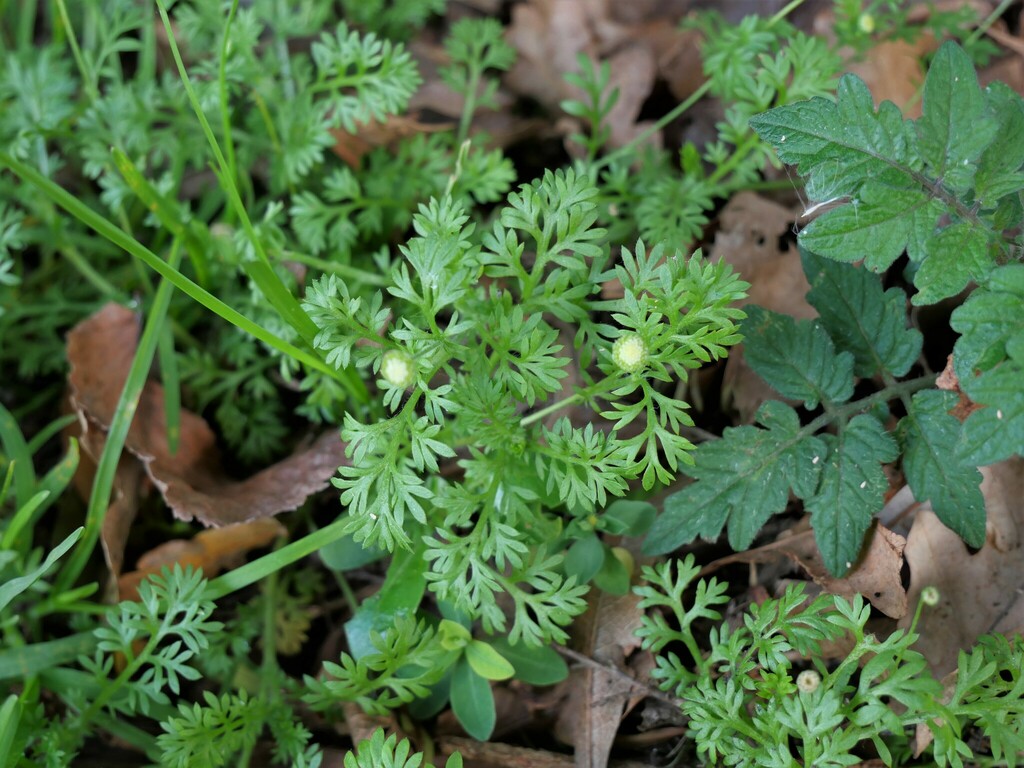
{"points": [[650, 690]]}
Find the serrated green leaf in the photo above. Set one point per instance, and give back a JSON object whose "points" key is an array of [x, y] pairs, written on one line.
{"points": [[957, 254], [472, 701], [861, 317], [999, 170], [840, 144], [995, 432], [988, 322], [852, 486], [487, 662], [744, 479], [797, 358], [929, 434], [536, 666], [954, 129], [875, 226]]}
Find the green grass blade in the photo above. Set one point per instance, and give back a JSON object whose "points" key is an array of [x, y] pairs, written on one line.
{"points": [[172, 388], [194, 237], [103, 483], [28, 660], [105, 228], [18, 454], [260, 270], [262, 567]]}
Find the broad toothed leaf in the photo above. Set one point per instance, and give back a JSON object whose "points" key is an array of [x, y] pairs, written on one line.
{"points": [[861, 317], [797, 358], [852, 486], [929, 434], [742, 479]]}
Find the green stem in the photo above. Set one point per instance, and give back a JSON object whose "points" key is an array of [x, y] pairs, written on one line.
{"points": [[628, 148], [865, 403], [259, 270], [88, 81], [262, 567], [599, 388], [222, 82], [469, 104], [785, 11], [103, 227], [342, 270], [988, 22], [98, 281]]}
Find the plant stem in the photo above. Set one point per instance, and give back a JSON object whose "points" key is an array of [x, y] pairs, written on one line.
{"points": [[88, 81], [469, 104], [660, 123]]}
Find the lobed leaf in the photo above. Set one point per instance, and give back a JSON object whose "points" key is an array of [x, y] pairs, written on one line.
{"points": [[797, 358], [861, 317], [852, 486], [929, 435], [742, 479]]}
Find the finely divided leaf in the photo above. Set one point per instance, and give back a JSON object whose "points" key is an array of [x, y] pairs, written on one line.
{"points": [[797, 358], [876, 226], [862, 318], [929, 434], [954, 128], [744, 479], [852, 486]]}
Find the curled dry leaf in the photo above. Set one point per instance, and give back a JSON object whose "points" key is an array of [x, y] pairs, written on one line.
{"points": [[751, 230], [599, 700], [876, 575], [640, 49], [352, 147], [980, 592], [100, 351], [213, 550]]}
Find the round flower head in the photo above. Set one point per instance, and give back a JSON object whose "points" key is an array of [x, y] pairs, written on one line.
{"points": [[930, 596], [808, 681], [397, 369], [866, 23], [630, 352]]}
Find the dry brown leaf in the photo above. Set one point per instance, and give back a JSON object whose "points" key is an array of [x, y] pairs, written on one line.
{"points": [[893, 71], [212, 550], [598, 700], [352, 147], [100, 351], [549, 35], [979, 593], [948, 380], [876, 575], [748, 238]]}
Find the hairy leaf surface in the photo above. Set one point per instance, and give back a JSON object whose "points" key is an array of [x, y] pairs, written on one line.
{"points": [[934, 473], [797, 358], [742, 479], [861, 317]]}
